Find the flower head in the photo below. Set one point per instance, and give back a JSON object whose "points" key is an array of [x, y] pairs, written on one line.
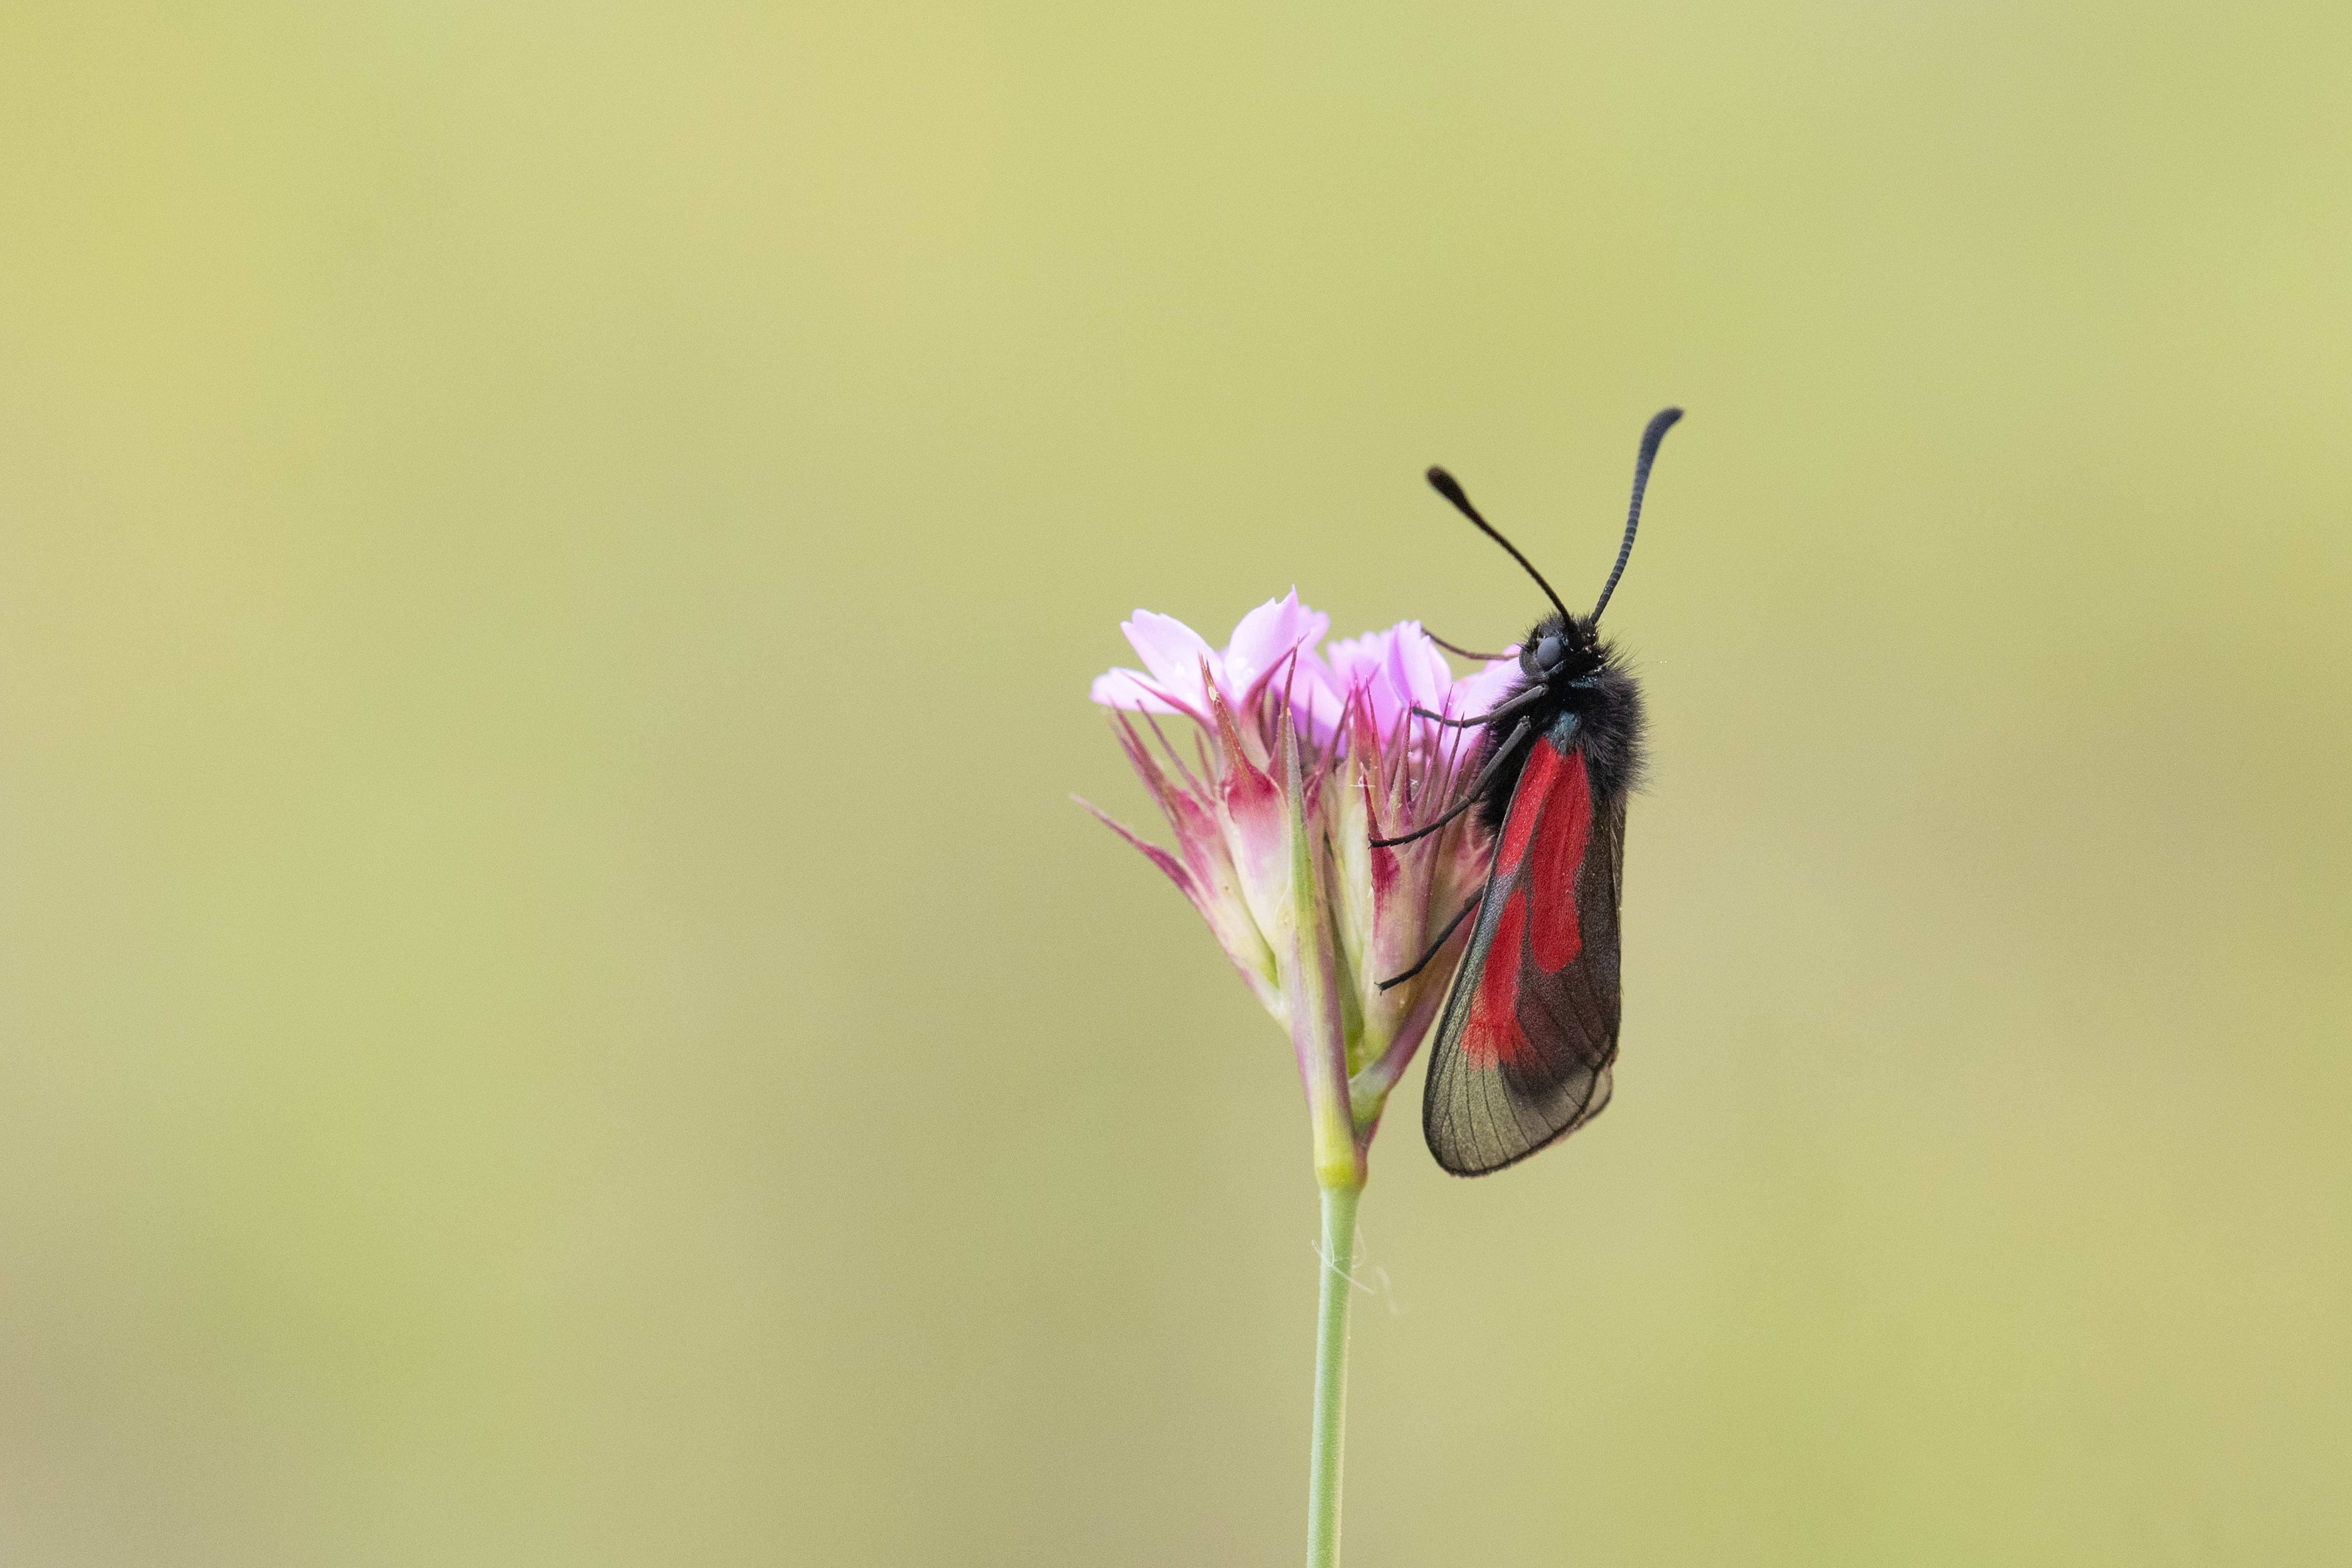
{"points": [[1300, 757]]}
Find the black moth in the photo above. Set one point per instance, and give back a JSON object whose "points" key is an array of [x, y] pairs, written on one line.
{"points": [[1529, 1033]]}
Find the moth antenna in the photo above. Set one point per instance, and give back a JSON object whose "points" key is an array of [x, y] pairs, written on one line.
{"points": [[1466, 653], [1660, 423], [1447, 486]]}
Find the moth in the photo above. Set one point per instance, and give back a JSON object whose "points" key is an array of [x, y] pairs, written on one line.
{"points": [[1528, 1038]]}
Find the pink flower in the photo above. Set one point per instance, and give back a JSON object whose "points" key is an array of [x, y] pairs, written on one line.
{"points": [[1302, 757]]}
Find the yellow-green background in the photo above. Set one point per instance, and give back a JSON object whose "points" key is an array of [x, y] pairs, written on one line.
{"points": [[553, 1008]]}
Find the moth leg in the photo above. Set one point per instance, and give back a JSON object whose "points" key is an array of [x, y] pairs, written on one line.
{"points": [[1501, 710], [1519, 733], [1451, 926]]}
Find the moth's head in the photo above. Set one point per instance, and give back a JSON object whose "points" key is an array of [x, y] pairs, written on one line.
{"points": [[1560, 648], [1565, 647]]}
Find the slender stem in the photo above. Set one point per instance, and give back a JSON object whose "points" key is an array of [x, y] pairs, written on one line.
{"points": [[1330, 1376]]}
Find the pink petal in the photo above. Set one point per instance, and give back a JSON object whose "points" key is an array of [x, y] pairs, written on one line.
{"points": [[1355, 663], [1172, 652], [1138, 693], [1316, 701], [1479, 691], [1351, 658], [1316, 697], [1266, 636], [1129, 689], [1417, 668]]}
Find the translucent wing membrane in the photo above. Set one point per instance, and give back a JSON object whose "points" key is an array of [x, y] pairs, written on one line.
{"points": [[1529, 1033]]}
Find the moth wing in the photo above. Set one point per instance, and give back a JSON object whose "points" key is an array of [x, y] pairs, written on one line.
{"points": [[1529, 1031]]}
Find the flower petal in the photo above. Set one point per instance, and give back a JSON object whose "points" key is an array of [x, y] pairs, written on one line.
{"points": [[1416, 668], [1351, 658], [1354, 664], [1266, 637], [1318, 702], [1138, 693], [1172, 652], [1479, 691]]}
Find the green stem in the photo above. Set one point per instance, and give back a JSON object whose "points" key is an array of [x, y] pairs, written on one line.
{"points": [[1330, 1376]]}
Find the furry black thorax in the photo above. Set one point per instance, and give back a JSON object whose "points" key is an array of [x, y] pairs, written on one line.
{"points": [[1591, 683]]}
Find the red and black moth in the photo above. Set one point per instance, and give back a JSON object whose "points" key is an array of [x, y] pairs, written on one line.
{"points": [[1529, 1033]]}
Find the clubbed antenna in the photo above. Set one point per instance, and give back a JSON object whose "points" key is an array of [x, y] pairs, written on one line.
{"points": [[1444, 484], [1660, 423]]}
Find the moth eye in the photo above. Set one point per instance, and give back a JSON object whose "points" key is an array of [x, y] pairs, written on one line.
{"points": [[1549, 652]]}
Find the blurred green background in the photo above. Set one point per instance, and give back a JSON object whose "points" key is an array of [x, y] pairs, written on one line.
{"points": [[553, 1007]]}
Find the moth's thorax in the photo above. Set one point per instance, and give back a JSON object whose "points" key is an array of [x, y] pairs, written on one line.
{"points": [[1587, 680]]}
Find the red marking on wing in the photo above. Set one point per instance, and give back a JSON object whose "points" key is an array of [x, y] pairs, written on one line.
{"points": [[1527, 805], [1543, 846], [1550, 882], [1492, 1033]]}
